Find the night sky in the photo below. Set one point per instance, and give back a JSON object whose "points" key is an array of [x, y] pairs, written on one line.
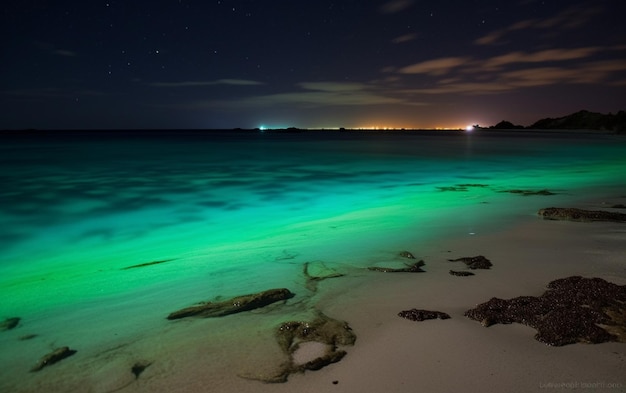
{"points": [[307, 63]]}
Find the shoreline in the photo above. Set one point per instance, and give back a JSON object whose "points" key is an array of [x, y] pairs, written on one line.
{"points": [[390, 354]]}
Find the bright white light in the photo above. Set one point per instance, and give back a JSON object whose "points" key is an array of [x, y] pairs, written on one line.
{"points": [[469, 128]]}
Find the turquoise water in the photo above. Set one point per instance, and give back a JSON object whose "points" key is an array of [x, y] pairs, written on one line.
{"points": [[77, 206], [235, 213]]}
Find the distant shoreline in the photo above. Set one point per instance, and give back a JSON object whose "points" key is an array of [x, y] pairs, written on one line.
{"points": [[199, 131], [580, 122]]}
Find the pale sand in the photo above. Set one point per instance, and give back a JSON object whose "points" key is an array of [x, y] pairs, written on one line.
{"points": [[392, 354]]}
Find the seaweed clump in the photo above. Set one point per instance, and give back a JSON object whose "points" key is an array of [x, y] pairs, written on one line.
{"points": [[573, 309], [580, 215]]}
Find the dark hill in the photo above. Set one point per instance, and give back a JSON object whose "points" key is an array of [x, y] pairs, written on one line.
{"points": [[584, 120]]}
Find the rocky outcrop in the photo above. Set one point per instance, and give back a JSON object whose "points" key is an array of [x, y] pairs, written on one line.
{"points": [[414, 268], [315, 272], [530, 192], [584, 120], [506, 125], [53, 357], [234, 305], [477, 262], [309, 346], [462, 187], [407, 254], [422, 315], [573, 309], [580, 215]]}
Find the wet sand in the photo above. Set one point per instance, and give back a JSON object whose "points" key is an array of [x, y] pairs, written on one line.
{"points": [[391, 354]]}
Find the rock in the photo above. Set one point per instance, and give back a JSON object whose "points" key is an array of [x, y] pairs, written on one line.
{"points": [[506, 125], [573, 214], [530, 192], [478, 262], [146, 264], [422, 315], [414, 268], [9, 323], [321, 329], [321, 362], [460, 274], [53, 357], [314, 272], [573, 309], [309, 346], [462, 187], [234, 305], [407, 254], [138, 368], [585, 120]]}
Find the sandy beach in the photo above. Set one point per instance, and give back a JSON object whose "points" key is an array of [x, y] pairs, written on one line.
{"points": [[391, 354]]}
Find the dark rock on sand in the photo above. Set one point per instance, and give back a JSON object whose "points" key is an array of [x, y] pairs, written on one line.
{"points": [[53, 357], [573, 309], [460, 274], [462, 187], [477, 262], [314, 272], [138, 368], [414, 268], [422, 315], [147, 264], [324, 334], [407, 254], [9, 323], [530, 192], [234, 305], [573, 214]]}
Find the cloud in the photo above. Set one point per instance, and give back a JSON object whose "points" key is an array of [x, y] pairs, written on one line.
{"points": [[515, 70], [392, 7], [333, 86], [235, 82], [549, 55], [568, 19], [404, 38], [51, 49], [434, 67], [316, 94]]}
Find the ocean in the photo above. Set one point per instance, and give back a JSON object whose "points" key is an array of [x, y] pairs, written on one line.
{"points": [[104, 234]]}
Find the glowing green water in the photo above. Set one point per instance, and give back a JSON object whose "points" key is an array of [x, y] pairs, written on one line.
{"points": [[236, 214]]}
